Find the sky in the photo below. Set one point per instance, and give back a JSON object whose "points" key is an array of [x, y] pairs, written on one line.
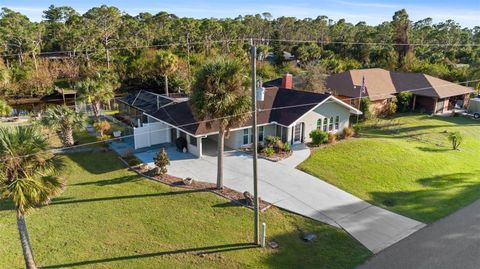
{"points": [[465, 12]]}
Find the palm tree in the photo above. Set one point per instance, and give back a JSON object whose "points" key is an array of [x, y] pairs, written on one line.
{"points": [[97, 89], [167, 63], [221, 92], [26, 177], [65, 120]]}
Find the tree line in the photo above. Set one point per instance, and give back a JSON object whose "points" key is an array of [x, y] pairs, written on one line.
{"points": [[163, 51]]}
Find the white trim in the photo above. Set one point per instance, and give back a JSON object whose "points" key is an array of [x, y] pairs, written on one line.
{"points": [[355, 111], [245, 127], [177, 128]]}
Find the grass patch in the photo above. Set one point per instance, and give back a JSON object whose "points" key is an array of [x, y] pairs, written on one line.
{"points": [[406, 165], [108, 217]]}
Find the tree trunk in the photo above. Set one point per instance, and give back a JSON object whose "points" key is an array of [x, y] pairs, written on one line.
{"points": [[67, 136], [221, 142], [25, 241], [166, 84], [96, 109], [35, 61]]}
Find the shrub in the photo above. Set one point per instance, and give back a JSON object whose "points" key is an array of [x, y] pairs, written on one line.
{"points": [[102, 126], [318, 137], [5, 109], [103, 137], [271, 140], [161, 161], [365, 108], [286, 147], [404, 100], [456, 139], [391, 107], [269, 151], [279, 145], [347, 132], [357, 128], [332, 138]]}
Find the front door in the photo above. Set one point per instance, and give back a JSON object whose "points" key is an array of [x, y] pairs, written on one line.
{"points": [[173, 135], [297, 133]]}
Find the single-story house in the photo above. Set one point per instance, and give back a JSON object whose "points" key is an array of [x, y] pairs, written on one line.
{"points": [[429, 94], [284, 112]]}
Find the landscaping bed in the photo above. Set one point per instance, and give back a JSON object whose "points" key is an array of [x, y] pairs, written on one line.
{"points": [[232, 195]]}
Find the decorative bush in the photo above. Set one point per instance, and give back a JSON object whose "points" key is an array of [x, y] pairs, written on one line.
{"points": [[161, 160], [357, 129], [332, 138], [365, 108], [269, 151], [279, 145], [404, 101], [272, 141], [347, 132], [456, 139], [391, 107], [102, 126], [318, 137], [103, 137], [286, 147]]}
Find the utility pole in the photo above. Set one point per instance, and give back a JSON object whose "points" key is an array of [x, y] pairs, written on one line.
{"points": [[253, 52], [362, 88]]}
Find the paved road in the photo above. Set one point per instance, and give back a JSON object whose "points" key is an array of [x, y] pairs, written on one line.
{"points": [[286, 187], [450, 243]]}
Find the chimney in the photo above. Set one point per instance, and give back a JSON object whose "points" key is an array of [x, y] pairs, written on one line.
{"points": [[287, 81]]}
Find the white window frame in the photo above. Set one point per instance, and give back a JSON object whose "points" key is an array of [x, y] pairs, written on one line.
{"points": [[246, 133], [261, 133]]}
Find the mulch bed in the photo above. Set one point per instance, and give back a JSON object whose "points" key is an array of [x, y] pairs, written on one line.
{"points": [[232, 195], [277, 156]]}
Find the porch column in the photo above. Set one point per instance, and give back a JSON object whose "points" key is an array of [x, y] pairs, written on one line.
{"points": [[200, 147], [414, 101]]}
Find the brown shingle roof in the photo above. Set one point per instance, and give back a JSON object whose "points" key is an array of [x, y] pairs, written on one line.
{"points": [[381, 84]]}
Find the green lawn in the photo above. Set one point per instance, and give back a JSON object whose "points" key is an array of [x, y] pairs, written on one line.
{"points": [[109, 217], [406, 165]]}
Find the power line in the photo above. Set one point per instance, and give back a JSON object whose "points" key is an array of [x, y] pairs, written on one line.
{"points": [[324, 42], [219, 118], [85, 51]]}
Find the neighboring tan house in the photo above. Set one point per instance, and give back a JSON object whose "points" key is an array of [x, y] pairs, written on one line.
{"points": [[286, 113], [429, 94]]}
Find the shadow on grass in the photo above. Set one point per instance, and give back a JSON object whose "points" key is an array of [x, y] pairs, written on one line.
{"points": [[442, 195], [104, 162], [227, 205], [68, 200], [114, 181], [443, 181], [194, 251], [8, 205], [431, 149]]}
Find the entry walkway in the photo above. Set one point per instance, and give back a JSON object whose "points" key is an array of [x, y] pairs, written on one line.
{"points": [[286, 187]]}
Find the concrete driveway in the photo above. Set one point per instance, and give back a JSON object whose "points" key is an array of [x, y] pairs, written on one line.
{"points": [[289, 188]]}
